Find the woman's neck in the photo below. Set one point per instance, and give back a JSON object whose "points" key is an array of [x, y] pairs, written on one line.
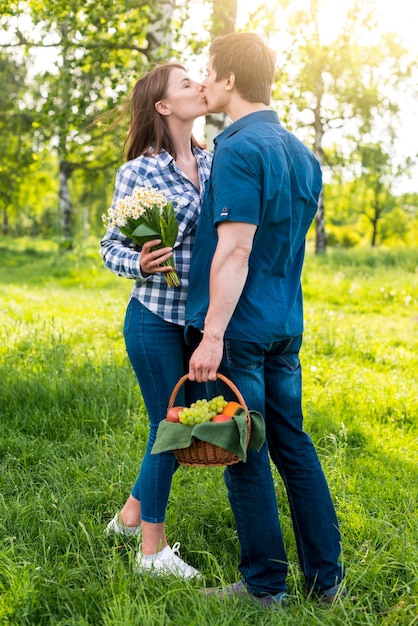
{"points": [[182, 140], [185, 158]]}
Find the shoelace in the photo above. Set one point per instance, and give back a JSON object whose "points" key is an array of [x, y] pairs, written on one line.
{"points": [[178, 561], [176, 549]]}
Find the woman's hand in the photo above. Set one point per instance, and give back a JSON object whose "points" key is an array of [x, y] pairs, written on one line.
{"points": [[150, 262]]}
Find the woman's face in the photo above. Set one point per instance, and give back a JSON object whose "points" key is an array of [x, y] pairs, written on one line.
{"points": [[184, 97]]}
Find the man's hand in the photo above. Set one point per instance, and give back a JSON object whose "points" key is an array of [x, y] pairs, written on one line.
{"points": [[206, 359]]}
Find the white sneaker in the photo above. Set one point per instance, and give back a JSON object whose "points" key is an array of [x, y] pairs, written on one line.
{"points": [[114, 527], [166, 562]]}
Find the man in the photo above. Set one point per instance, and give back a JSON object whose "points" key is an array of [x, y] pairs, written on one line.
{"points": [[247, 300]]}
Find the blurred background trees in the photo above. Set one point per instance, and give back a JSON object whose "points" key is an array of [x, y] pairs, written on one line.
{"points": [[64, 63]]}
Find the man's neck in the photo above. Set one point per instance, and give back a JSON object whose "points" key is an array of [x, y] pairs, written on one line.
{"points": [[239, 108]]}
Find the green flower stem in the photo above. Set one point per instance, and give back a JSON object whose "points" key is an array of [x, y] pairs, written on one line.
{"points": [[172, 277]]}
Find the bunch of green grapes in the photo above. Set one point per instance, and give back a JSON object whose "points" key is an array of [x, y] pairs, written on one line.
{"points": [[202, 411]]}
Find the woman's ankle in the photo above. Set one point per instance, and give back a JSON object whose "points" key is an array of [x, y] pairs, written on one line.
{"points": [[130, 514], [128, 522], [153, 538]]}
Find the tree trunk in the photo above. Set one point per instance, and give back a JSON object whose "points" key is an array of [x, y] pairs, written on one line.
{"points": [[215, 124], [159, 32], [375, 220], [224, 15], [320, 236], [5, 223], [65, 204]]}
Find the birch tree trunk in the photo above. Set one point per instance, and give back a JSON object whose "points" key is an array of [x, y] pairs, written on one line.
{"points": [[64, 168], [224, 15], [320, 236], [65, 204], [159, 32]]}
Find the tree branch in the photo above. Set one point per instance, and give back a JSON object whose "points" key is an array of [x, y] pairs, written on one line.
{"points": [[87, 46]]}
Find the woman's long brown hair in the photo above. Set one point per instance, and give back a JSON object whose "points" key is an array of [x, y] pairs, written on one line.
{"points": [[148, 132]]}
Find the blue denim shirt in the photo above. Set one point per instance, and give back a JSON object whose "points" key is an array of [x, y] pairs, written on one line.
{"points": [[263, 175]]}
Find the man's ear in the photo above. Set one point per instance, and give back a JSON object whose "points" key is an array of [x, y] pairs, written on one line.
{"points": [[163, 108], [230, 82]]}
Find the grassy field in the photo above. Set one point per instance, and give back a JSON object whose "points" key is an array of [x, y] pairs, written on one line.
{"points": [[73, 429]]}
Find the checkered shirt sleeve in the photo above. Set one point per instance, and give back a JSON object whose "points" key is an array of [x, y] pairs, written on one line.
{"points": [[122, 256]]}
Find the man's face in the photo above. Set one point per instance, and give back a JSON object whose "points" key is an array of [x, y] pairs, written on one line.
{"points": [[216, 95]]}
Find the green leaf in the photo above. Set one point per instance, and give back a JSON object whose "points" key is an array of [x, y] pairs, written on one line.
{"points": [[145, 230], [169, 226], [153, 218]]}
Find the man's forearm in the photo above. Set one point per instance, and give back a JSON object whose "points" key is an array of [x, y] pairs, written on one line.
{"points": [[227, 279]]}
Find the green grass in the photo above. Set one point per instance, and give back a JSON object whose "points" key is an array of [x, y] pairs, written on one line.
{"points": [[73, 429]]}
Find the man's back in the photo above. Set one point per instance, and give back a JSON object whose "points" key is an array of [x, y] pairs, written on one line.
{"points": [[262, 175]]}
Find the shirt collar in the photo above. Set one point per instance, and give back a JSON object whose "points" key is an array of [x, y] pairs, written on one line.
{"points": [[164, 158], [246, 120]]}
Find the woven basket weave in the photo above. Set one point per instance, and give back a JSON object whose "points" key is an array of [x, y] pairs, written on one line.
{"points": [[202, 453]]}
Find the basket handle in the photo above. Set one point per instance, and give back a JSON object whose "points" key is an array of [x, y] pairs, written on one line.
{"points": [[226, 380]]}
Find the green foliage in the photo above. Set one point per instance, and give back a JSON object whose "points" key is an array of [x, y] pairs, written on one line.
{"points": [[345, 87], [73, 429], [95, 58], [364, 212], [16, 154]]}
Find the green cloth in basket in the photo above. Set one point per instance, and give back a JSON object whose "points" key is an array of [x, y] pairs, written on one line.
{"points": [[230, 435]]}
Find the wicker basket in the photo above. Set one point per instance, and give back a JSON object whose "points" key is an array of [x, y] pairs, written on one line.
{"points": [[202, 453]]}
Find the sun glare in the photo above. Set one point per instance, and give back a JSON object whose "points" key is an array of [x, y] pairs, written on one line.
{"points": [[400, 16]]}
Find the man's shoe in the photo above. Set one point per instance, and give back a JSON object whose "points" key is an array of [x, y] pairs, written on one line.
{"points": [[239, 590], [114, 527], [166, 562], [333, 594]]}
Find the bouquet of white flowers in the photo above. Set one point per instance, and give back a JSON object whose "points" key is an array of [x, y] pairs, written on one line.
{"points": [[144, 215]]}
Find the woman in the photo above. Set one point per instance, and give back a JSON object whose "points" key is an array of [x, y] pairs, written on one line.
{"points": [[162, 153]]}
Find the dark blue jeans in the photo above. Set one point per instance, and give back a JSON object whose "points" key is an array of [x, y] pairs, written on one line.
{"points": [[159, 357], [269, 378]]}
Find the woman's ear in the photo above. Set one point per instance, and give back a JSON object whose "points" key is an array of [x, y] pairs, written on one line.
{"points": [[162, 107]]}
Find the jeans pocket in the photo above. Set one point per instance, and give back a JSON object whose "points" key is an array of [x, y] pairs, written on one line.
{"points": [[288, 352], [242, 354]]}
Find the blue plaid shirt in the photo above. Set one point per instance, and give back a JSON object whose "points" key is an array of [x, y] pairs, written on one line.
{"points": [[122, 256]]}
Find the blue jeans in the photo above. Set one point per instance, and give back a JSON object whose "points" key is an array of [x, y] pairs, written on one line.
{"points": [[159, 357], [270, 380]]}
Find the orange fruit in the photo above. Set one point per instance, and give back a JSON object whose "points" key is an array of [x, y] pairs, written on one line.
{"points": [[231, 408]]}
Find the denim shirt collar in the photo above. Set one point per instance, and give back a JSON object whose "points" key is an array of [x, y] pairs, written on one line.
{"points": [[258, 116]]}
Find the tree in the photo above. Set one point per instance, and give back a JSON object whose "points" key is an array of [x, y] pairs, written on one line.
{"points": [[16, 154], [361, 200], [97, 56], [372, 189], [344, 86], [224, 15], [331, 91]]}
